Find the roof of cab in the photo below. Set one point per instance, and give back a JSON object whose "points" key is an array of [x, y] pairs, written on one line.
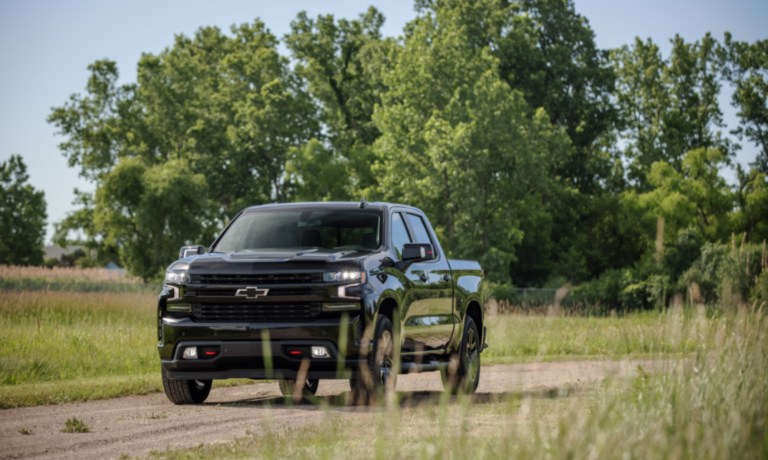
{"points": [[329, 204]]}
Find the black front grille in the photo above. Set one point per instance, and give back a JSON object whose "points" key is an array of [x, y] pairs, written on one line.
{"points": [[257, 311], [260, 279], [277, 292]]}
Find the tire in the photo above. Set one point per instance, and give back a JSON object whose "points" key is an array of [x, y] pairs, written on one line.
{"points": [[186, 391], [288, 387], [383, 375], [465, 378]]}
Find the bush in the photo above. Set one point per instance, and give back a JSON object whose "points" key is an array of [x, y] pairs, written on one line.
{"points": [[501, 292], [51, 262], [641, 287], [760, 292], [724, 273]]}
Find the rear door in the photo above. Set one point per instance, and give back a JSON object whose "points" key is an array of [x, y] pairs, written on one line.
{"points": [[440, 285]]}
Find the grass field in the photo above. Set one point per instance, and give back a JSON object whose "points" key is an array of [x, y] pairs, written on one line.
{"points": [[711, 405], [63, 346], [60, 347]]}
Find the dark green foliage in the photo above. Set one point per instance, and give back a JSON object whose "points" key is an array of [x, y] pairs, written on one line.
{"points": [[726, 273], [684, 252], [640, 287], [205, 131], [22, 216], [745, 66], [529, 148]]}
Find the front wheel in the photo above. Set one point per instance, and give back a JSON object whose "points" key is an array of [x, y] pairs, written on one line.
{"points": [[186, 391], [381, 375], [465, 376]]}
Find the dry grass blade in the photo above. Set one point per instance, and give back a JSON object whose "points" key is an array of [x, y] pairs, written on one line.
{"points": [[65, 274]]}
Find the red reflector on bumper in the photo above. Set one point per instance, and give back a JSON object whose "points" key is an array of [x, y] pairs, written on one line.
{"points": [[295, 352], [210, 353]]}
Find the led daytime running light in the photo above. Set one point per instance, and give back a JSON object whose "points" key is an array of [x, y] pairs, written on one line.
{"points": [[347, 276], [176, 278]]}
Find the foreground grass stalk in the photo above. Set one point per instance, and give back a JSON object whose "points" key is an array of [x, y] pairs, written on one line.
{"points": [[712, 404]]}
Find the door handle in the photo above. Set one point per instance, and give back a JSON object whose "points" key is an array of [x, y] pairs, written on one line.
{"points": [[447, 278], [424, 277]]}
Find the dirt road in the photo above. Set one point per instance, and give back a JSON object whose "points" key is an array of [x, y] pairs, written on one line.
{"points": [[137, 424]]}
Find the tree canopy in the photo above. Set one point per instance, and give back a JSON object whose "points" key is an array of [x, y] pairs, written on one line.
{"points": [[530, 148], [22, 216]]}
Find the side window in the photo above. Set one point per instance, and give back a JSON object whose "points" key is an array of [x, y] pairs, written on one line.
{"points": [[400, 234], [422, 235]]}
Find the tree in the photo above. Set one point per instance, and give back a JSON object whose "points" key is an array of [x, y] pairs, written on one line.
{"points": [[229, 105], [695, 196], [226, 110], [668, 106], [745, 66], [547, 51], [342, 62], [751, 199], [150, 212], [459, 143], [22, 215]]}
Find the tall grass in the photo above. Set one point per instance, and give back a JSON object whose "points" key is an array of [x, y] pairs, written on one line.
{"points": [[711, 405], [66, 346], [62, 336], [521, 338]]}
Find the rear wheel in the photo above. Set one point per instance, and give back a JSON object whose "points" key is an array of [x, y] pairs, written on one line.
{"points": [[465, 377], [382, 375], [288, 387], [186, 391]]}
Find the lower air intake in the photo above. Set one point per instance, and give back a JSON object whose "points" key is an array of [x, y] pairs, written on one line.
{"points": [[257, 312]]}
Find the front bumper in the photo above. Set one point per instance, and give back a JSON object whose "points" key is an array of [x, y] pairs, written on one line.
{"points": [[259, 360], [259, 350]]}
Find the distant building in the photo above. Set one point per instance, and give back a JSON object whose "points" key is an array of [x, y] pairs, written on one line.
{"points": [[57, 252], [113, 266]]}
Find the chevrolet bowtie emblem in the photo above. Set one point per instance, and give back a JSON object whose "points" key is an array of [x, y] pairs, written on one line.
{"points": [[251, 292]]}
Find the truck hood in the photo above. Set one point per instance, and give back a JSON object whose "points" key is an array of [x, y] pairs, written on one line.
{"points": [[270, 259]]}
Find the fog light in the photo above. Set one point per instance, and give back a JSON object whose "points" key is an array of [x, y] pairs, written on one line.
{"points": [[320, 352], [190, 353]]}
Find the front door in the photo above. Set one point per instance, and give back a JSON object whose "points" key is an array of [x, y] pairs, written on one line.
{"points": [[440, 289]]}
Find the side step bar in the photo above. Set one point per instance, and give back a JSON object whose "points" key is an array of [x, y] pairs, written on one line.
{"points": [[415, 368]]}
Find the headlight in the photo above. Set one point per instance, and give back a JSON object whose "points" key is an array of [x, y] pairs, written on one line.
{"points": [[176, 278], [351, 276]]}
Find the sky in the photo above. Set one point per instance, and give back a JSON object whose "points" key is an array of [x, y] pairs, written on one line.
{"points": [[46, 46]]}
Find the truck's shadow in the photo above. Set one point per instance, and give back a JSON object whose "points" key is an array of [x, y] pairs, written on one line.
{"points": [[407, 399]]}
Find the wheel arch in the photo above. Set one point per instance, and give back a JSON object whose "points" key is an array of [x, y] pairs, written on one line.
{"points": [[475, 311]]}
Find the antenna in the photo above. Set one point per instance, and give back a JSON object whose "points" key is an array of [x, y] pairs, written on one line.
{"points": [[363, 203]]}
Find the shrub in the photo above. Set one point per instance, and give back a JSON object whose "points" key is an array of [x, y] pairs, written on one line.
{"points": [[723, 272]]}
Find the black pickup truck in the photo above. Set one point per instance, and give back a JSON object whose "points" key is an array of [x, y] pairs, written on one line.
{"points": [[307, 291]]}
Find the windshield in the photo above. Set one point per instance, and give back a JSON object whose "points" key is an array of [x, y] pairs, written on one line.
{"points": [[353, 230]]}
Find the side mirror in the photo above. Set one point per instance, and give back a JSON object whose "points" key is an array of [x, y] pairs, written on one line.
{"points": [[415, 252], [187, 251]]}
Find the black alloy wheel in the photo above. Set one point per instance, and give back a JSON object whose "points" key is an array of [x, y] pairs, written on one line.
{"points": [[466, 376], [186, 391], [382, 374]]}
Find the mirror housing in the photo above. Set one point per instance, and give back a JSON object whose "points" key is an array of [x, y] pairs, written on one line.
{"points": [[417, 252], [187, 251]]}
